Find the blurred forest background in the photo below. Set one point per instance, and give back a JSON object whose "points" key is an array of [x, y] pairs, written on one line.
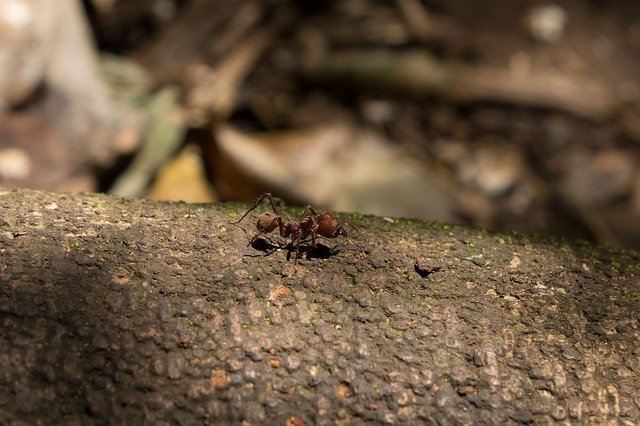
{"points": [[507, 114]]}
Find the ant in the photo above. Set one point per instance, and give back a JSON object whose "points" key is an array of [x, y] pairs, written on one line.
{"points": [[309, 226]]}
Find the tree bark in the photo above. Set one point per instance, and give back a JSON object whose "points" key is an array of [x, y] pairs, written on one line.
{"points": [[136, 312]]}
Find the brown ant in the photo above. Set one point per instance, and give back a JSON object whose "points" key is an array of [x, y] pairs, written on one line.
{"points": [[309, 226]]}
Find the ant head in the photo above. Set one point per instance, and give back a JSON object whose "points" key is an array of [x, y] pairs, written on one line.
{"points": [[328, 225]]}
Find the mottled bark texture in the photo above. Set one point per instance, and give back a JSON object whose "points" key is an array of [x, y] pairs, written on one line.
{"points": [[135, 312]]}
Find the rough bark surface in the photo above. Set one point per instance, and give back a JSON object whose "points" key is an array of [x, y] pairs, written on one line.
{"points": [[134, 312]]}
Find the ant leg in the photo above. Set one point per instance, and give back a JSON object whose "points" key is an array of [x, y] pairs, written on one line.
{"points": [[273, 205], [297, 248], [309, 209], [314, 228], [356, 244], [281, 228], [255, 204], [314, 233]]}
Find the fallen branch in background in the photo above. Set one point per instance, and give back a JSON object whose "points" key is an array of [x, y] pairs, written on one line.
{"points": [[418, 74]]}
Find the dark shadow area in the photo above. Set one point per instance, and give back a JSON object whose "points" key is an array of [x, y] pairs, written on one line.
{"points": [[306, 250], [265, 246], [320, 251], [86, 336], [424, 271], [62, 320]]}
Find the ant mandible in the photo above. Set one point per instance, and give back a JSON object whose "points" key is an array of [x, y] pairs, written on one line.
{"points": [[310, 225]]}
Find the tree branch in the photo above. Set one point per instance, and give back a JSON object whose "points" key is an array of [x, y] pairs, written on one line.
{"points": [[130, 311]]}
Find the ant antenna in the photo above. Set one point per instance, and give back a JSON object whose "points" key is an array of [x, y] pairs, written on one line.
{"points": [[345, 222], [342, 222], [256, 203]]}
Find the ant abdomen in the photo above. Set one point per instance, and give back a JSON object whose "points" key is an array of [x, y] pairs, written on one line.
{"points": [[267, 222]]}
